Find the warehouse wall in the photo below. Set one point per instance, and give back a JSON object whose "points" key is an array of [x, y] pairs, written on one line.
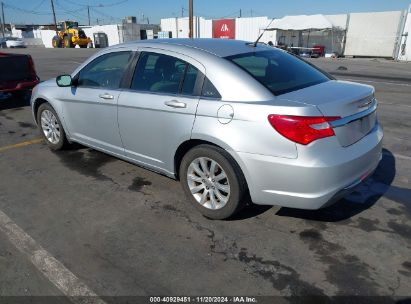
{"points": [[169, 25], [373, 34], [112, 31], [179, 27], [248, 29], [46, 36], [206, 28]]}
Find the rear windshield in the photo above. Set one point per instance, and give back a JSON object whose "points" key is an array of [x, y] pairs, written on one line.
{"points": [[15, 67], [279, 71]]}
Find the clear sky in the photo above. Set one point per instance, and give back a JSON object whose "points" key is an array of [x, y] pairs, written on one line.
{"points": [[109, 11]]}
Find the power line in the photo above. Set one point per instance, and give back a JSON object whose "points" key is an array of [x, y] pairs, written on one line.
{"points": [[68, 11], [98, 5], [39, 5], [12, 7], [104, 14]]}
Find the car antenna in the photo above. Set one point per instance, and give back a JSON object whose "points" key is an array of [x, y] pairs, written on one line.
{"points": [[261, 35]]}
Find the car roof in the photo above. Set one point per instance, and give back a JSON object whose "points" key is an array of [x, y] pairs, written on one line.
{"points": [[218, 47]]}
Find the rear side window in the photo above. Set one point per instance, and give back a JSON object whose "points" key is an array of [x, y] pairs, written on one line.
{"points": [[17, 67], [158, 73], [105, 71], [190, 80], [209, 90], [278, 71]]}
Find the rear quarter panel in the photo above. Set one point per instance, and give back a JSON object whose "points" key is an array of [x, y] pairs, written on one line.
{"points": [[249, 130]]}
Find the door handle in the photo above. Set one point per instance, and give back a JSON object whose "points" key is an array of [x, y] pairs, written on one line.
{"points": [[106, 96], [175, 104]]}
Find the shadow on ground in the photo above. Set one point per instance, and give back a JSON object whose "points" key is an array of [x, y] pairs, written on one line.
{"points": [[14, 100]]}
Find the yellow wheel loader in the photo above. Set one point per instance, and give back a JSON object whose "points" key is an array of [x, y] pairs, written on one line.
{"points": [[69, 35]]}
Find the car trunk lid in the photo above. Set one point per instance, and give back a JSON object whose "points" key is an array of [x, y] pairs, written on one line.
{"points": [[354, 103]]}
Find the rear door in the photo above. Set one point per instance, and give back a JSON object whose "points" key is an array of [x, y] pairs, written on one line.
{"points": [[157, 113], [90, 107]]}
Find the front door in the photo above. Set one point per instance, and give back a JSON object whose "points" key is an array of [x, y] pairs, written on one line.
{"points": [[90, 107], [158, 112]]}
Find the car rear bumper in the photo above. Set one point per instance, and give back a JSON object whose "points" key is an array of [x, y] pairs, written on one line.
{"points": [[18, 86], [314, 180]]}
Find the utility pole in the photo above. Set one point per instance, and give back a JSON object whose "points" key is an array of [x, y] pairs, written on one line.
{"points": [[4, 21], [240, 13], [182, 11], [190, 18], [1, 24], [88, 14], [54, 16]]}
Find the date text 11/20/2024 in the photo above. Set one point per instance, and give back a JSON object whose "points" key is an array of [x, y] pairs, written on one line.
{"points": [[239, 299]]}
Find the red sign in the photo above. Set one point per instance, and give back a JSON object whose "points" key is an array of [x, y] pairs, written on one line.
{"points": [[224, 28]]}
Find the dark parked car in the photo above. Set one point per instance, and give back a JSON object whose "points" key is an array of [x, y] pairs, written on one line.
{"points": [[17, 75]]}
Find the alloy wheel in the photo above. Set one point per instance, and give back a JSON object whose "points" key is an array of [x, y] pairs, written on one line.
{"points": [[50, 126], [208, 183]]}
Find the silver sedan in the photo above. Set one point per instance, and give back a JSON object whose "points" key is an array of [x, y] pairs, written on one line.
{"points": [[230, 120]]}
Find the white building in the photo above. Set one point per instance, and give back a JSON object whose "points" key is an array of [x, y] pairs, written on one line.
{"points": [[378, 34]]}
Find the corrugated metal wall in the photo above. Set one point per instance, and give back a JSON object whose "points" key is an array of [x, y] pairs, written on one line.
{"points": [[373, 34]]}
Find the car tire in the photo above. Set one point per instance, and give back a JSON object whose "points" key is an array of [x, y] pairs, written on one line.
{"points": [[211, 200], [67, 42], [56, 42], [51, 128]]}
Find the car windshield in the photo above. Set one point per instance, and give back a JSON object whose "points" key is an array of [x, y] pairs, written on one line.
{"points": [[279, 71], [13, 39]]}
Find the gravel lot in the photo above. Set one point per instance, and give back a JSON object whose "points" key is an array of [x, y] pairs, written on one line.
{"points": [[123, 230]]}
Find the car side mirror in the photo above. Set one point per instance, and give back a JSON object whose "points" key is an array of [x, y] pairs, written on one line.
{"points": [[64, 81]]}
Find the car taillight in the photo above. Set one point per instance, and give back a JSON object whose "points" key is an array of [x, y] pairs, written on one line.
{"points": [[302, 129]]}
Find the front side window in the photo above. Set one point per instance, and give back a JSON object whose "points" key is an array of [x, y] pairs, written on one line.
{"points": [[278, 71], [106, 71]]}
